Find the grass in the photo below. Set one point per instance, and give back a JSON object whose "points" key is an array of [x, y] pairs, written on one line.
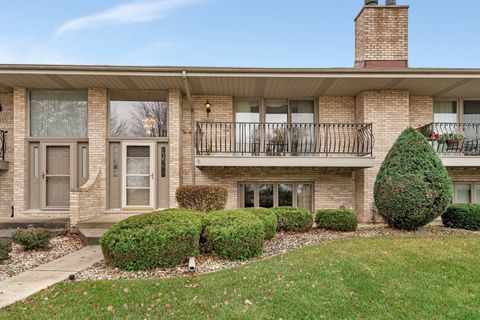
{"points": [[381, 278]]}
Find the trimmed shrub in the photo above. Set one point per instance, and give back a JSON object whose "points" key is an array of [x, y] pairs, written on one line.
{"points": [[31, 239], [235, 235], [5, 249], [337, 219], [293, 219], [154, 240], [269, 220], [412, 187], [202, 198], [462, 216]]}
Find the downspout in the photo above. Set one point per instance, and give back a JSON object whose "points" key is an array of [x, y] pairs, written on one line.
{"points": [[192, 124]]}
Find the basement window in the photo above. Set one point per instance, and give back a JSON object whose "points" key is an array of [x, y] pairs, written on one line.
{"points": [[467, 192], [268, 195]]}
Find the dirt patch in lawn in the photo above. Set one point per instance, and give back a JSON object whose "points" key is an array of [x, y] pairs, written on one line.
{"points": [[283, 242], [21, 261]]}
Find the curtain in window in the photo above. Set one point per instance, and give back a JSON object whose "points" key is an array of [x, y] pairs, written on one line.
{"points": [[445, 111], [58, 114]]}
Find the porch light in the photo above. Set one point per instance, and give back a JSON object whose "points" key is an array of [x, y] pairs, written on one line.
{"points": [[208, 108], [1, 107], [148, 124]]}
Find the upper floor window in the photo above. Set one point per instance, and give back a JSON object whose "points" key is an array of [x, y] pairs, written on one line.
{"points": [[58, 114], [138, 119], [445, 111], [471, 111], [275, 111]]}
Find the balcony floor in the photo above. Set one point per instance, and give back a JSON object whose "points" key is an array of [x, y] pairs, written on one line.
{"points": [[333, 161]]}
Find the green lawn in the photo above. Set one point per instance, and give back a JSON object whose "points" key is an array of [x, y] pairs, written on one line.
{"points": [[382, 278]]}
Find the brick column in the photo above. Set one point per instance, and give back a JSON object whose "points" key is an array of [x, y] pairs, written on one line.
{"points": [[174, 138], [98, 137], [19, 148], [6, 178], [388, 110]]}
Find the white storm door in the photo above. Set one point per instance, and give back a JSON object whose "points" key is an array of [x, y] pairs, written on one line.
{"points": [[138, 176]]}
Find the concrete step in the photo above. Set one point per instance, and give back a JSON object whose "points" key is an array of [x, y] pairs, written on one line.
{"points": [[6, 234], [104, 221], [91, 236], [34, 222]]}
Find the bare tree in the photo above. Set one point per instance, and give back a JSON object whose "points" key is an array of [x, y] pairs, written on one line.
{"points": [[156, 111]]}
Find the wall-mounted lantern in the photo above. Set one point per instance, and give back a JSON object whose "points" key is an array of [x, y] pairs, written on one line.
{"points": [[208, 108], [1, 108]]}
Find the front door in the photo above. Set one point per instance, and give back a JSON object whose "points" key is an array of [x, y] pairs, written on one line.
{"points": [[56, 177], [138, 183]]}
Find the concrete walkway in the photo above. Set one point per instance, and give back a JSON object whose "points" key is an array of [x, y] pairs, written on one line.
{"points": [[25, 284]]}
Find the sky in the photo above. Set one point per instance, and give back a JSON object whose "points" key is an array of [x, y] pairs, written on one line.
{"points": [[229, 33]]}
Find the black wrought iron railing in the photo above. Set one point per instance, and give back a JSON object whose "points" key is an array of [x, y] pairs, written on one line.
{"points": [[3, 144], [455, 139], [282, 139]]}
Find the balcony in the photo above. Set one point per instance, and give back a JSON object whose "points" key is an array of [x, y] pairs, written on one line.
{"points": [[457, 144], [3, 149], [253, 144]]}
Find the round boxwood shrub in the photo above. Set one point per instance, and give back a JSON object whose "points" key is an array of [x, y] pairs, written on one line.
{"points": [[412, 187], [337, 219], [269, 220], [293, 219], [235, 235], [5, 249], [201, 197], [154, 240], [31, 239], [462, 216]]}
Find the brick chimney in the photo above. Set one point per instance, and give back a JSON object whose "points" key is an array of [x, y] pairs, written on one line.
{"points": [[381, 36]]}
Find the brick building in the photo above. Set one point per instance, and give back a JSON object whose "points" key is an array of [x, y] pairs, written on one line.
{"points": [[82, 141]]}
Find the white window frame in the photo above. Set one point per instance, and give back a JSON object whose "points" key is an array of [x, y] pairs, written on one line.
{"points": [[473, 186]]}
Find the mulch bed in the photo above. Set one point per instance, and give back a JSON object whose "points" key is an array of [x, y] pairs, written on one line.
{"points": [[283, 242], [21, 261]]}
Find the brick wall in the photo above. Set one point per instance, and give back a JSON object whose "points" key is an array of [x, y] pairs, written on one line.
{"points": [[336, 109], [388, 110], [333, 187], [19, 148], [222, 111], [6, 178], [421, 110], [175, 142], [381, 34]]}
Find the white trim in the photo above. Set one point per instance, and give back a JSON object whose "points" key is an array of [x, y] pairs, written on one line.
{"points": [[319, 162], [461, 161]]}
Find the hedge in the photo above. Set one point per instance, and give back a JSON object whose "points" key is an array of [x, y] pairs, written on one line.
{"points": [[155, 240], [462, 216], [201, 197], [412, 187], [269, 220], [235, 235], [31, 239], [337, 219], [293, 219], [5, 249]]}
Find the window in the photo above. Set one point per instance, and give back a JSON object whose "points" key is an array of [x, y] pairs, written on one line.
{"points": [[445, 111], [268, 195], [138, 119], [58, 114], [471, 111], [274, 111], [467, 192]]}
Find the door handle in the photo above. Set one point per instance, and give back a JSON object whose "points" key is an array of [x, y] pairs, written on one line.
{"points": [[151, 175], [43, 175]]}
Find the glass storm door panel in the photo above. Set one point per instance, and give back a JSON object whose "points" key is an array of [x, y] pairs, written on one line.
{"points": [[138, 180], [57, 177]]}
